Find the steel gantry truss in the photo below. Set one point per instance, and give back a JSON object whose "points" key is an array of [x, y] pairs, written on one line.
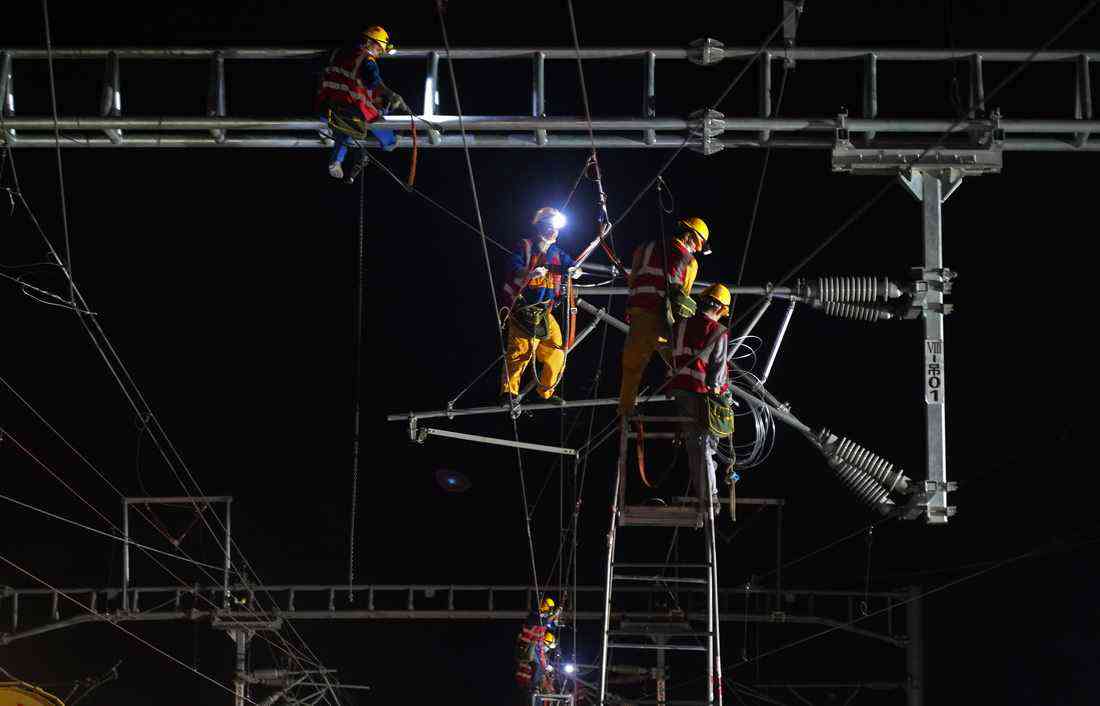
{"points": [[888, 618], [707, 132]]}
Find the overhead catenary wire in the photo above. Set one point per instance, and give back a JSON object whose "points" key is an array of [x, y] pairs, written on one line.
{"points": [[440, 12]]}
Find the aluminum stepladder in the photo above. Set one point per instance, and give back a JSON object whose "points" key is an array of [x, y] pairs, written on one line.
{"points": [[666, 636]]}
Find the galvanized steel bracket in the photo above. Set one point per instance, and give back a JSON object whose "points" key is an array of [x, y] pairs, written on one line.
{"points": [[706, 51], [707, 125]]}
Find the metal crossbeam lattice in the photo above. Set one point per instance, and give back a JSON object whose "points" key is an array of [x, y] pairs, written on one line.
{"points": [[108, 127]]}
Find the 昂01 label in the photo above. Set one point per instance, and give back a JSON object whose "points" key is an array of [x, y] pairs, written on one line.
{"points": [[933, 371]]}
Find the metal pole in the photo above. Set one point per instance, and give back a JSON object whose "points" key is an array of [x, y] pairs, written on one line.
{"points": [[620, 481], [228, 555], [778, 341], [125, 555], [241, 638], [740, 340], [1083, 98], [716, 633], [914, 650], [649, 98], [779, 557], [215, 99], [870, 92], [7, 91], [765, 108], [777, 292], [538, 94], [933, 370], [428, 431]]}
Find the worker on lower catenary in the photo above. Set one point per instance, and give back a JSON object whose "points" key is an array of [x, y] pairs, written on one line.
{"points": [[661, 277], [531, 653], [700, 348], [530, 291], [352, 96]]}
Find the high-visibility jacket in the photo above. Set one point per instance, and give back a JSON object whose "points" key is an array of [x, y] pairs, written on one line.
{"points": [[703, 372], [525, 259], [352, 79], [530, 650], [647, 273]]}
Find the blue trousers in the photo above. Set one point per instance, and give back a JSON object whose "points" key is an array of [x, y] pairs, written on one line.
{"points": [[387, 140]]}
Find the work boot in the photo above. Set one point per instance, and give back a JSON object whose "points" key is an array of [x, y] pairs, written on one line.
{"points": [[506, 398], [335, 170], [554, 399]]}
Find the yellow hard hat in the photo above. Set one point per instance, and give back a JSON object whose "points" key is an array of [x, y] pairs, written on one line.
{"points": [[696, 225], [547, 605], [718, 292], [549, 213], [551, 641], [380, 35]]}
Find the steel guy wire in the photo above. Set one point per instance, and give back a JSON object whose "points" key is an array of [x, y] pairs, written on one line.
{"points": [[492, 288], [115, 624], [359, 313]]}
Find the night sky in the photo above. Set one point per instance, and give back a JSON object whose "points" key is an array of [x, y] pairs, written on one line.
{"points": [[226, 281]]}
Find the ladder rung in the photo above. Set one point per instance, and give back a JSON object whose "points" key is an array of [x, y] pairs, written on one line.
{"points": [[659, 633], [655, 435], [656, 647], [658, 516], [646, 418], [657, 579], [634, 565]]}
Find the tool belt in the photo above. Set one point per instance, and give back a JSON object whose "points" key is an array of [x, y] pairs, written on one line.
{"points": [[719, 413], [531, 319]]}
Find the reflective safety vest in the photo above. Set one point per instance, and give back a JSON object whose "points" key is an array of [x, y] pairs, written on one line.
{"points": [[530, 651], [544, 288], [689, 338], [647, 274], [341, 84]]}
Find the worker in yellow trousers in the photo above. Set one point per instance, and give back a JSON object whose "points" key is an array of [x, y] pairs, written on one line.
{"points": [[530, 291], [661, 277]]}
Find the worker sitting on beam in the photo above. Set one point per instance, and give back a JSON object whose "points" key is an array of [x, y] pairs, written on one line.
{"points": [[661, 276], [530, 291], [700, 384], [352, 96]]}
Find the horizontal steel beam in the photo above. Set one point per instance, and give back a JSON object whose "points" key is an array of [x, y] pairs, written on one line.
{"points": [[523, 123], [422, 615], [517, 141], [801, 53]]}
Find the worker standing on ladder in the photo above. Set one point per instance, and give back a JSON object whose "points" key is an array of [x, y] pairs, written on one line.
{"points": [[352, 96], [532, 657], [661, 276], [700, 348], [530, 291]]}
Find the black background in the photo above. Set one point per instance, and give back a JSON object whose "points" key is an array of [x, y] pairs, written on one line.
{"points": [[225, 278]]}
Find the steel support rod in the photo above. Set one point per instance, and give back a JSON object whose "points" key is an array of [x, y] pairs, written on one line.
{"points": [[977, 86], [740, 340], [538, 95], [111, 103], [503, 409], [7, 92], [228, 554], [870, 92], [125, 554], [428, 431], [215, 96], [777, 292], [178, 499], [1083, 94], [765, 108], [778, 341], [649, 96]]}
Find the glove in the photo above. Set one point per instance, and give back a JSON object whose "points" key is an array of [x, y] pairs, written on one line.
{"points": [[577, 272], [543, 245], [539, 272], [396, 102]]}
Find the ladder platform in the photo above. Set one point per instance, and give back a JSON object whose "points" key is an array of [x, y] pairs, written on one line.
{"points": [[660, 516], [658, 579]]}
